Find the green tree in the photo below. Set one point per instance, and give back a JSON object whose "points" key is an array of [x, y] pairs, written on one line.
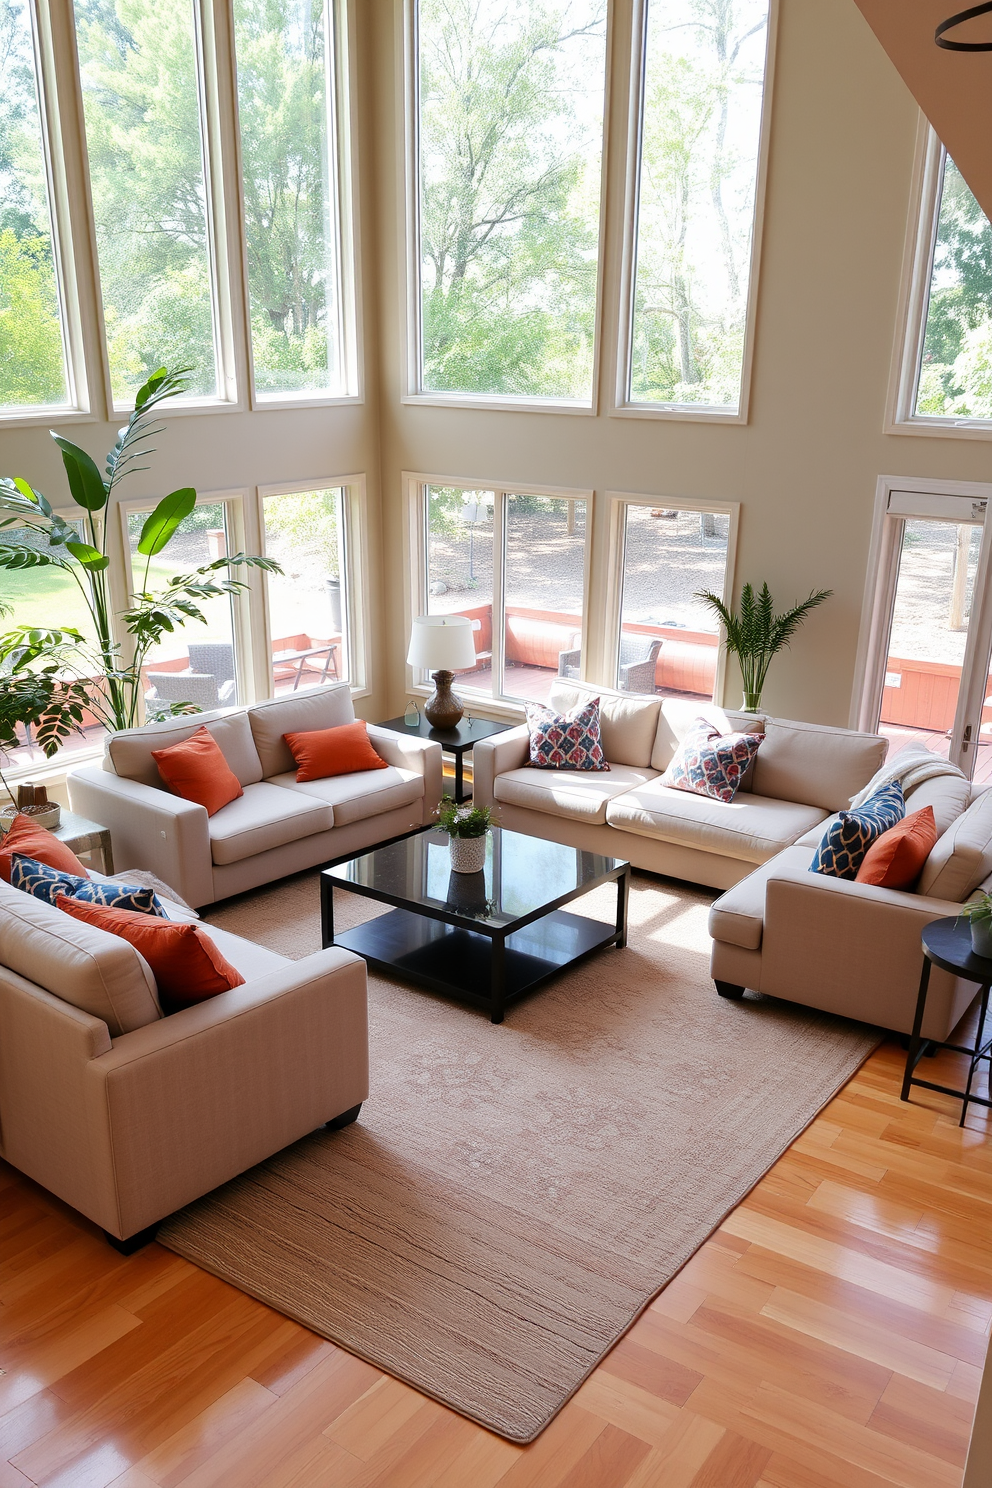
{"points": [[510, 157], [954, 376]]}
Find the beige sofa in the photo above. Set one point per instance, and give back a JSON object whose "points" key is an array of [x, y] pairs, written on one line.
{"points": [[278, 826], [853, 948], [127, 1115], [802, 774]]}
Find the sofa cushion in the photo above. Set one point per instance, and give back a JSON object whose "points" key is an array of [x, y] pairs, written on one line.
{"points": [[196, 770], [749, 828], [962, 858], [896, 859], [298, 712], [360, 795], [566, 741], [95, 972], [708, 763], [580, 794], [949, 795], [815, 765], [344, 750], [25, 836], [850, 834], [48, 883], [678, 716], [130, 752], [250, 959], [265, 816], [737, 917], [627, 724]]}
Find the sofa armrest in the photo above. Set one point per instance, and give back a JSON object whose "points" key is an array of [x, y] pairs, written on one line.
{"points": [[407, 752], [491, 757], [150, 829], [201, 1096]]}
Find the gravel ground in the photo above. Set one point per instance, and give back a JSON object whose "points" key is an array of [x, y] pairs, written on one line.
{"points": [[921, 619]]}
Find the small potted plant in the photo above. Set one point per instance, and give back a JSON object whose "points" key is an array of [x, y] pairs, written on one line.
{"points": [[979, 913], [467, 828]]}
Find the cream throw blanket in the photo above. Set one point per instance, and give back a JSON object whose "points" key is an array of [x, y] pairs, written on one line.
{"points": [[910, 767]]}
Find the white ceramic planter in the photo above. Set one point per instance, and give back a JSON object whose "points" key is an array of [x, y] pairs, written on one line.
{"points": [[468, 854], [981, 938]]}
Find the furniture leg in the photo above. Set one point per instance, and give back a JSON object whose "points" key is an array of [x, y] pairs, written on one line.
{"points": [[345, 1119], [459, 777], [730, 990], [326, 912], [623, 894], [976, 1057], [133, 1242], [913, 1057], [497, 987]]}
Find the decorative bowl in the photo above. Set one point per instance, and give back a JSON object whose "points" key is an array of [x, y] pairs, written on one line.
{"points": [[43, 816]]}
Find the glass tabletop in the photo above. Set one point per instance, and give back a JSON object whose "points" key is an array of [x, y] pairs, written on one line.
{"points": [[523, 875]]}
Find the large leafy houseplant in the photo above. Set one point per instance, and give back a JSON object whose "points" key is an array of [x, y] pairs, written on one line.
{"points": [[51, 676], [755, 633]]}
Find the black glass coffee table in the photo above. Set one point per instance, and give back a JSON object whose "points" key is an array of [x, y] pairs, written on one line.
{"points": [[485, 938]]}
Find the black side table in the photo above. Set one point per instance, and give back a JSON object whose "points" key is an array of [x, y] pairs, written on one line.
{"points": [[947, 944], [457, 741]]}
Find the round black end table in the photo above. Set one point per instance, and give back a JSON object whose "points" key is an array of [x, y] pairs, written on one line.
{"points": [[947, 944]]}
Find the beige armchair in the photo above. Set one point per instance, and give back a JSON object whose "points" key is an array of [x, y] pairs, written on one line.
{"points": [[127, 1115]]}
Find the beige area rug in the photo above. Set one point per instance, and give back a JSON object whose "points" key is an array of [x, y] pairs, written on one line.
{"points": [[513, 1196]]}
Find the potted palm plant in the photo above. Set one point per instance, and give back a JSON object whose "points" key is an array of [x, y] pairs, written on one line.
{"points": [[755, 633], [52, 677]]}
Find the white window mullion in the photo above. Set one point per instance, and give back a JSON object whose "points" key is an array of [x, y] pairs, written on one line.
{"points": [[499, 592]]}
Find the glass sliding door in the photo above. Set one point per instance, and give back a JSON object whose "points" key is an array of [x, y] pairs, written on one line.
{"points": [[306, 532], [543, 579], [460, 550]]}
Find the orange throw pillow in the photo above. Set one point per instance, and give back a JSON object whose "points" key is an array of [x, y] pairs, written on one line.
{"points": [[185, 963], [197, 770], [24, 836], [334, 751], [895, 860]]}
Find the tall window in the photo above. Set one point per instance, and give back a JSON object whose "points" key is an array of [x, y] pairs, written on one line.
{"points": [[32, 354], [955, 370], [703, 83], [668, 641], [515, 564], [143, 133], [286, 77], [306, 532], [510, 151]]}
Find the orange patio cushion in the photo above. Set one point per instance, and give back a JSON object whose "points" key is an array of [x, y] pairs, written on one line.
{"points": [[895, 860], [26, 837], [185, 963], [197, 770], [334, 751]]}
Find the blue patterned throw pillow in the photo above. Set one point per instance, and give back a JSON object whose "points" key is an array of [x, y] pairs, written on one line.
{"points": [[851, 833], [566, 742], [48, 883], [709, 763]]}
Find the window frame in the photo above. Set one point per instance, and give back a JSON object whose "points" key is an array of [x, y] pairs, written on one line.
{"points": [[624, 406], [413, 391], [416, 596], [613, 609], [354, 509], [343, 146], [914, 303]]}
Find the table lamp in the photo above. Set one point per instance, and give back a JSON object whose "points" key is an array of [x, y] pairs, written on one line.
{"points": [[441, 645]]}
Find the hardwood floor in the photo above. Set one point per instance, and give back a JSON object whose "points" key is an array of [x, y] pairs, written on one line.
{"points": [[830, 1334]]}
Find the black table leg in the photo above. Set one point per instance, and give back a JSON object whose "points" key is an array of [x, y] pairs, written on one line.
{"points": [[459, 776], [976, 1057], [497, 987], [913, 1057], [623, 888], [326, 911]]}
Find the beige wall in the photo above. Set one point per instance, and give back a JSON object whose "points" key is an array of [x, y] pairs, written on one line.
{"points": [[805, 467]]}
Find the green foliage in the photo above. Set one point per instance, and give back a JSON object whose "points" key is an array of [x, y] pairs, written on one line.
{"points": [[978, 910], [50, 677], [956, 368], [755, 634], [463, 821]]}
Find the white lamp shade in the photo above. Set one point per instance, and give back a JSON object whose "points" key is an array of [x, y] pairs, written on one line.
{"points": [[442, 643]]}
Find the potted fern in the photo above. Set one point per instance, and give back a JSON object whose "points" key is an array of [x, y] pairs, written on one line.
{"points": [[755, 633]]}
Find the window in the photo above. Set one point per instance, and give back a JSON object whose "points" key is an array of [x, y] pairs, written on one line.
{"points": [[32, 352], [515, 563], [668, 641], [290, 170], [306, 532], [198, 663], [142, 108], [701, 111], [511, 96], [954, 375]]}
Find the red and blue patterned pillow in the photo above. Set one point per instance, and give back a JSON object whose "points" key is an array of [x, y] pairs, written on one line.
{"points": [[709, 763], [566, 742]]}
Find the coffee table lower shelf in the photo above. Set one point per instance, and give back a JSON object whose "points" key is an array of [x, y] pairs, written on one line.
{"points": [[464, 964]]}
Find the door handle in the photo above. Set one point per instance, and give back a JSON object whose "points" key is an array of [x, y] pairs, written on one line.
{"points": [[967, 737]]}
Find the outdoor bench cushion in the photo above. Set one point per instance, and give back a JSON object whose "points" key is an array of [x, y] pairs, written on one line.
{"points": [[362, 794], [265, 816], [751, 828], [580, 794]]}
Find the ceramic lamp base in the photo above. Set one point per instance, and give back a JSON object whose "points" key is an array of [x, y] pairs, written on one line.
{"points": [[442, 709]]}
